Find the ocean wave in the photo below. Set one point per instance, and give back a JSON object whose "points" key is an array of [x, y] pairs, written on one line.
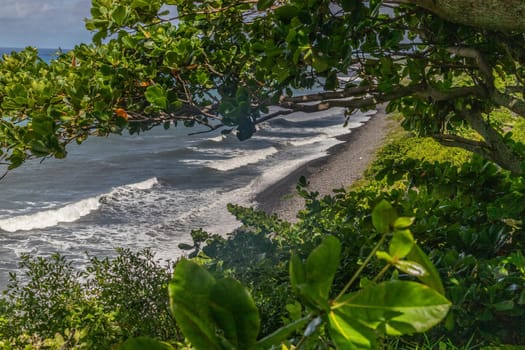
{"points": [[70, 212], [237, 158], [243, 159]]}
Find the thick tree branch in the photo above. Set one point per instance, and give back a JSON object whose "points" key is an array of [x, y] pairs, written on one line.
{"points": [[330, 95], [484, 67], [365, 98], [513, 103], [499, 151], [478, 147], [450, 94], [503, 15]]}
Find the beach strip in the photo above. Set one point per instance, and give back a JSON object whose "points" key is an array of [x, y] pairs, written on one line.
{"points": [[344, 164]]}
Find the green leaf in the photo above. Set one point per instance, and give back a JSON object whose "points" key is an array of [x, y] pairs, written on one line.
{"points": [[320, 269], [281, 334], [119, 15], [235, 313], [286, 12], [297, 273], [395, 307], [505, 305], [245, 129], [43, 125], [383, 217], [349, 334], [401, 244], [320, 64], [142, 343], [157, 96], [385, 256], [189, 292], [39, 148], [312, 280], [432, 278], [403, 222], [264, 4], [140, 3]]}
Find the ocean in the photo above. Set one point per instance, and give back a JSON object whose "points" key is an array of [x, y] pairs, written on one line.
{"points": [[152, 189]]}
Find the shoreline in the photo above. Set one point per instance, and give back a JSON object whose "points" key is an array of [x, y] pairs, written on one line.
{"points": [[344, 164]]}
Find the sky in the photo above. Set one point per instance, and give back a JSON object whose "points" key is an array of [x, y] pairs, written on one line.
{"points": [[44, 23]]}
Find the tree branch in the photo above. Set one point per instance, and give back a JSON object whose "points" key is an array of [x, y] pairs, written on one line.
{"points": [[498, 150], [484, 67], [331, 95], [514, 104], [450, 94], [474, 146]]}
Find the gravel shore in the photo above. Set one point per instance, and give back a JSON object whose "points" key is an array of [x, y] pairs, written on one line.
{"points": [[345, 164]]}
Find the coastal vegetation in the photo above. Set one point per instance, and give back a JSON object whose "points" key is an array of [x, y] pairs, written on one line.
{"points": [[432, 233], [465, 218]]}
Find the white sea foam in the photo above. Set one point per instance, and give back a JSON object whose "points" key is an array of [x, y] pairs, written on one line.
{"points": [[236, 158], [48, 218], [70, 212], [242, 159]]}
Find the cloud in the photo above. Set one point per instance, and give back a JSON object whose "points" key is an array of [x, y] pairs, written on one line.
{"points": [[21, 9], [43, 23]]}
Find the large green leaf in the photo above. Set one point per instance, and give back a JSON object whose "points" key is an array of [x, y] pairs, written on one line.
{"points": [[321, 267], [142, 343], [401, 244], [395, 307], [282, 333], [314, 279], [264, 4], [235, 313], [383, 217], [297, 273], [157, 96], [189, 292], [431, 278], [348, 334]]}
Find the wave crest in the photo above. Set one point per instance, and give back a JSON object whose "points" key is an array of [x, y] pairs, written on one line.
{"points": [[70, 212]]}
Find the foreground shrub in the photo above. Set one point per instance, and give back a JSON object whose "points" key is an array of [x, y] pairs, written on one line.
{"points": [[52, 302]]}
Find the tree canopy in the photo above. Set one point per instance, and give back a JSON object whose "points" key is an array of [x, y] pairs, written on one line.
{"points": [[445, 65]]}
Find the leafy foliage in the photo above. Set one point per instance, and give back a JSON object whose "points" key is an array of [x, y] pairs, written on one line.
{"points": [[56, 304], [222, 64], [203, 306]]}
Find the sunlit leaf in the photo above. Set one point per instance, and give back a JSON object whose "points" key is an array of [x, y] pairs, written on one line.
{"points": [[432, 278], [397, 307], [401, 243], [383, 217], [348, 334]]}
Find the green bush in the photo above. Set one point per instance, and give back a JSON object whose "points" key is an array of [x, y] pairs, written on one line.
{"points": [[51, 303], [468, 217]]}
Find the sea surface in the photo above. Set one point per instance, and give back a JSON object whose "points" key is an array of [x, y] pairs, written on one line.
{"points": [[152, 189]]}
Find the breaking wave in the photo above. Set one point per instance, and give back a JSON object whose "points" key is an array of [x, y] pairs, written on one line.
{"points": [[70, 212]]}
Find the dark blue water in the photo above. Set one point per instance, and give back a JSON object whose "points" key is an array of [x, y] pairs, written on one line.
{"points": [[152, 189]]}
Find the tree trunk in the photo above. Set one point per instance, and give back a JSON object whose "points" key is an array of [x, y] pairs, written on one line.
{"points": [[504, 15]]}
